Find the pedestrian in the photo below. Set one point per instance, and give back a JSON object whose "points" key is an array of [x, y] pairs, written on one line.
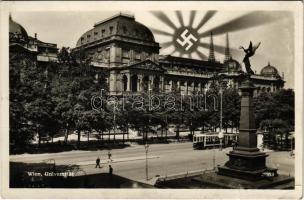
{"points": [[233, 144], [110, 170], [109, 156], [97, 162]]}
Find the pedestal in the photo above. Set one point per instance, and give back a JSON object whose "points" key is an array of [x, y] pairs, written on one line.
{"points": [[246, 161]]}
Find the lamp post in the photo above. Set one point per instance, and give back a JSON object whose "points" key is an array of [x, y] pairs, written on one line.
{"points": [[146, 150]]}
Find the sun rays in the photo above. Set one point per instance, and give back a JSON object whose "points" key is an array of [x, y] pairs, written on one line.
{"points": [[246, 21]]}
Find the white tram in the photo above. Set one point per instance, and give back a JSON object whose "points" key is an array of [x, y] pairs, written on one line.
{"points": [[212, 140]]}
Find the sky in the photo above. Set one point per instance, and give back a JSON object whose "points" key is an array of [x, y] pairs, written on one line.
{"points": [[275, 31]]}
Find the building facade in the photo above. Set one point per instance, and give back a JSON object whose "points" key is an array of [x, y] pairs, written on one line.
{"points": [[21, 42], [130, 54]]}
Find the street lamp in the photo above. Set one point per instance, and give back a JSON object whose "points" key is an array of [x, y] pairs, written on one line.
{"points": [[146, 150]]}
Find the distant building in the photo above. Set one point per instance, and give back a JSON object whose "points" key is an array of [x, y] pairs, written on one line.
{"points": [[20, 41]]}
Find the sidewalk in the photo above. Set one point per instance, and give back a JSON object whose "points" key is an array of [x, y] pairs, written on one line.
{"points": [[106, 161]]}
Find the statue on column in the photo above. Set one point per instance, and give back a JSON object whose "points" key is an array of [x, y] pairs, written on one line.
{"points": [[250, 51]]}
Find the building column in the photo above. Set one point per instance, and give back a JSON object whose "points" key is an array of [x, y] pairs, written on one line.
{"points": [[171, 85], [161, 84], [178, 86], [139, 82], [128, 82], [199, 87], [151, 82]]}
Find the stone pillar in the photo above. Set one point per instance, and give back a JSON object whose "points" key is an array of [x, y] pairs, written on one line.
{"points": [[246, 161], [151, 82], [139, 83], [161, 84], [199, 87], [178, 86], [129, 82], [186, 88], [171, 85], [112, 82]]}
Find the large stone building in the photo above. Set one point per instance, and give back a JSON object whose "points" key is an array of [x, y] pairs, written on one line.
{"points": [[20, 42], [128, 50]]}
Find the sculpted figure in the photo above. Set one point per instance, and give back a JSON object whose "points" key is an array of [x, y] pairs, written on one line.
{"points": [[250, 51]]}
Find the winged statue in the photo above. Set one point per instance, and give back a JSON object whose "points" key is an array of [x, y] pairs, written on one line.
{"points": [[250, 51]]}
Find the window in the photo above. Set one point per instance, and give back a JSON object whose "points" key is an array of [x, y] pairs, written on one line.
{"points": [[95, 33], [111, 29], [88, 36], [103, 32], [124, 28]]}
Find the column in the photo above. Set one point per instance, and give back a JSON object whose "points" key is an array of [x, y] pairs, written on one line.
{"points": [[128, 82], [199, 88], [171, 85], [161, 84], [186, 88], [151, 82], [139, 82], [178, 86]]}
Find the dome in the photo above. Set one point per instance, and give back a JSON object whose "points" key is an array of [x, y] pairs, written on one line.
{"points": [[17, 32], [232, 65], [269, 71], [121, 25]]}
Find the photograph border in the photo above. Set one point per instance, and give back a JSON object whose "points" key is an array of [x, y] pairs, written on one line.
{"points": [[7, 7]]}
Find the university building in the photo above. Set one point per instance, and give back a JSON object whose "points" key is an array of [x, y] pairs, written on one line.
{"points": [[127, 50]]}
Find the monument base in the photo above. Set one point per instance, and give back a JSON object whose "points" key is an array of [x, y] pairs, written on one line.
{"points": [[249, 165], [214, 180]]}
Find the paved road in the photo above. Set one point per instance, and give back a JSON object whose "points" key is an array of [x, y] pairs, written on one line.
{"points": [[164, 159]]}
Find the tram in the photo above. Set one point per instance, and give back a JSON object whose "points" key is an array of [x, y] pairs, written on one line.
{"points": [[212, 140]]}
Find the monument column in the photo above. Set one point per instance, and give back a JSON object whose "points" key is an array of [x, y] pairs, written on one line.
{"points": [[246, 161]]}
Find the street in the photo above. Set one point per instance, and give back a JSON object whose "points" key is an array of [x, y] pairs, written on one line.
{"points": [[163, 160]]}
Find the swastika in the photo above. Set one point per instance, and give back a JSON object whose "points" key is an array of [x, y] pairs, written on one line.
{"points": [[187, 40]]}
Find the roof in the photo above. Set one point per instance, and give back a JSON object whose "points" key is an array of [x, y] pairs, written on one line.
{"points": [[121, 25], [270, 71], [231, 66], [144, 65], [17, 32], [189, 62]]}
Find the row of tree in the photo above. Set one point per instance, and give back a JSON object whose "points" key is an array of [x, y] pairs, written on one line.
{"points": [[56, 97]]}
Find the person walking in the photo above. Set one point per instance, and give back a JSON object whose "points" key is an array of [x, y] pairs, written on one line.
{"points": [[109, 156], [97, 162], [110, 170]]}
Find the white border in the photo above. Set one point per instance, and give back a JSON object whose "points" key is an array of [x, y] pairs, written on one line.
{"points": [[7, 7]]}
